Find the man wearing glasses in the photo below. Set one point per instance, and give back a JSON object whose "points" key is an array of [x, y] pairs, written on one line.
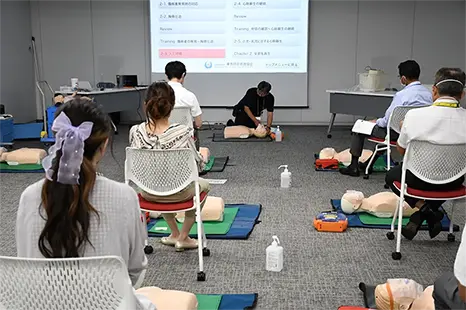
{"points": [[413, 94], [248, 111]]}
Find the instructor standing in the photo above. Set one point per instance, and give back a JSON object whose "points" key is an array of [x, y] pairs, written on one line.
{"points": [[248, 111]]}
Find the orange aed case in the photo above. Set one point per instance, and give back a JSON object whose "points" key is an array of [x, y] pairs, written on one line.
{"points": [[331, 222]]}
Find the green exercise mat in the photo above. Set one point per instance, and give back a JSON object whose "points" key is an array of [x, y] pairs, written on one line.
{"points": [[209, 164], [210, 228], [379, 166], [22, 167], [369, 219], [208, 302]]}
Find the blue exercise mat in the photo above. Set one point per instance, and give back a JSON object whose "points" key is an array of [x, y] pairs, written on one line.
{"points": [[238, 302], [243, 225], [354, 221]]}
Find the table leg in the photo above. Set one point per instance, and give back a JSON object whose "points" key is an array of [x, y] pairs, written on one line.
{"points": [[330, 125], [115, 129]]}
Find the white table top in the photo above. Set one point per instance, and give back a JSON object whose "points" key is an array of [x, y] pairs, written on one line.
{"points": [[362, 93], [100, 92]]}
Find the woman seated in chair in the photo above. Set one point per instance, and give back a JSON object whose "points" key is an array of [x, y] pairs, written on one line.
{"points": [[74, 212], [157, 133]]}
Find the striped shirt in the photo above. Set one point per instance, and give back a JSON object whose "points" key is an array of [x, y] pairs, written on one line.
{"points": [[176, 136]]}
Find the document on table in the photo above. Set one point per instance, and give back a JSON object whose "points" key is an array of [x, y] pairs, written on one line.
{"points": [[364, 127], [216, 181]]}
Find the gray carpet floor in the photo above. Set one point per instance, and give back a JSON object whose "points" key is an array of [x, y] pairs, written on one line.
{"points": [[322, 270]]}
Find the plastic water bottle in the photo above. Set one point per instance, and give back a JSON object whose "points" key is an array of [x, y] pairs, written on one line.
{"points": [[278, 135], [285, 177], [274, 256]]}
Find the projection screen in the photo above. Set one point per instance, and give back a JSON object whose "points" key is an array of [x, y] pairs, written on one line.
{"points": [[230, 46]]}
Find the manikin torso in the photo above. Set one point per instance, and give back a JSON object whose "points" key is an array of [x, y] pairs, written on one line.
{"points": [[381, 204], [344, 156], [244, 132]]}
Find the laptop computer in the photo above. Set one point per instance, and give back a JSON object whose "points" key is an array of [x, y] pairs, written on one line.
{"points": [[126, 81]]}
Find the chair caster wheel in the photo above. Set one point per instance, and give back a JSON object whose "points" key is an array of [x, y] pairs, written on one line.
{"points": [[366, 177], [386, 186], [201, 276], [451, 238], [329, 136], [148, 249], [205, 252], [390, 235], [396, 163], [396, 255]]}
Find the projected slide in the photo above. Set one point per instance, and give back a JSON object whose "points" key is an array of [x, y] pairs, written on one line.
{"points": [[227, 36]]}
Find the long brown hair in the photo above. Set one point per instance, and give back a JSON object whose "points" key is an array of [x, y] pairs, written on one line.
{"points": [[67, 207], [159, 103]]}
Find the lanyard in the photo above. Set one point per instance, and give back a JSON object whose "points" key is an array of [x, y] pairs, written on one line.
{"points": [[447, 104]]}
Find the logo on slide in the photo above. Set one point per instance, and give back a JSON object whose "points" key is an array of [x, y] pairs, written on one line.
{"points": [[208, 64]]}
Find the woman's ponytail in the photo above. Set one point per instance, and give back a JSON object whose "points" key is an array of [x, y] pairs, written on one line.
{"points": [[71, 176]]}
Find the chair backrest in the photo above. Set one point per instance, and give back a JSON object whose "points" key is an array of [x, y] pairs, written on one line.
{"points": [[98, 283], [161, 172], [181, 115], [398, 115], [435, 163]]}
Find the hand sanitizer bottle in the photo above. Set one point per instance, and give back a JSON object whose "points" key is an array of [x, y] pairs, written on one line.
{"points": [[274, 256], [285, 177], [278, 135]]}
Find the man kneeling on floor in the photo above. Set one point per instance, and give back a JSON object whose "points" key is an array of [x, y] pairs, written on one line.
{"points": [[414, 94], [248, 111], [442, 123]]}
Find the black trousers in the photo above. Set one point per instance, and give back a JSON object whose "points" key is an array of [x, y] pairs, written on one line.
{"points": [[414, 182], [242, 119], [196, 138], [446, 295], [358, 139]]}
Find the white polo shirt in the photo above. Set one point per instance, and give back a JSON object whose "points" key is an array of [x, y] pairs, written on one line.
{"points": [[435, 124], [439, 125], [460, 262], [185, 98]]}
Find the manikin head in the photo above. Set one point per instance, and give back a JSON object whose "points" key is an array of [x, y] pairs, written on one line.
{"points": [[408, 72], [397, 294], [263, 89], [449, 82], [351, 201], [260, 131], [175, 71], [327, 153]]}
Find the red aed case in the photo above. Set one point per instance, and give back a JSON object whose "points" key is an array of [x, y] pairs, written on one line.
{"points": [[331, 222], [326, 164]]}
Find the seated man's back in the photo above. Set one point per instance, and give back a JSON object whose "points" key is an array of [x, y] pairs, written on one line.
{"points": [[176, 73], [441, 123], [186, 98]]}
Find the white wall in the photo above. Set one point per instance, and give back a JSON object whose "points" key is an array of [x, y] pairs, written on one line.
{"points": [[16, 62], [90, 38]]}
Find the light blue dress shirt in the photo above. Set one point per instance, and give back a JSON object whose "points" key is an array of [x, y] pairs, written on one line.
{"points": [[414, 94]]}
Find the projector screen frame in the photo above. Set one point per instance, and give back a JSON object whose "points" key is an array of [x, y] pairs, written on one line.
{"points": [[307, 88]]}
